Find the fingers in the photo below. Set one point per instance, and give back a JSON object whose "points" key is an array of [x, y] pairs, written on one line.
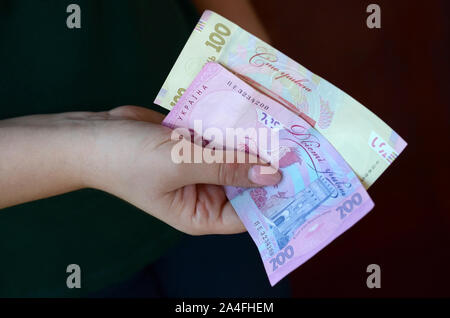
{"points": [[230, 222], [213, 213]]}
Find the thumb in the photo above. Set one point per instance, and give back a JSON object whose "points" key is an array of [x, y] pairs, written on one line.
{"points": [[229, 170]]}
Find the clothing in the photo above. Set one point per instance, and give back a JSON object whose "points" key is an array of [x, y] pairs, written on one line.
{"points": [[120, 55], [226, 266]]}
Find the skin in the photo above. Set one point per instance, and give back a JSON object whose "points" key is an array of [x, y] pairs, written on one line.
{"points": [[125, 152]]}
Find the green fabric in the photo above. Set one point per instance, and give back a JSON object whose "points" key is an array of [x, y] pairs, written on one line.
{"points": [[121, 55]]}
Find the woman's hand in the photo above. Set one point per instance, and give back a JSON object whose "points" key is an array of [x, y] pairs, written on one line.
{"points": [[127, 153], [132, 160]]}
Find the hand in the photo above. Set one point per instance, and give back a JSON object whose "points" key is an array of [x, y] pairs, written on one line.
{"points": [[129, 156]]}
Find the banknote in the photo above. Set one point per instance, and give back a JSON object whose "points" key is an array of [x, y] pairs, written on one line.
{"points": [[367, 144], [319, 196]]}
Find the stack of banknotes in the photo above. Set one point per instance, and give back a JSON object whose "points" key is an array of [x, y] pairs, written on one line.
{"points": [[329, 147]]}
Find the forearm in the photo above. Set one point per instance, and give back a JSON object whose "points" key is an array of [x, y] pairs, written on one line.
{"points": [[127, 153], [40, 156], [47, 155]]}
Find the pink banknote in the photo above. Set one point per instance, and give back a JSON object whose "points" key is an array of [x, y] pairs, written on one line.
{"points": [[319, 196]]}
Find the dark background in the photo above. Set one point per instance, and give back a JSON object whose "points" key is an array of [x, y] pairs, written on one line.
{"points": [[400, 72]]}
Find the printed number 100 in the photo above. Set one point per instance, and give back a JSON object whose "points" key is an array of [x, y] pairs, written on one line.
{"points": [[216, 39]]}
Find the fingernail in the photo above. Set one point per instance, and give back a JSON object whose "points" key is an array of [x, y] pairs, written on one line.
{"points": [[264, 175]]}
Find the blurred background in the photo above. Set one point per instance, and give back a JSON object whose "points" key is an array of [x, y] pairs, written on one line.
{"points": [[401, 73]]}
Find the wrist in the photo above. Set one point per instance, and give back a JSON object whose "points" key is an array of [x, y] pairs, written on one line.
{"points": [[86, 153], [76, 145]]}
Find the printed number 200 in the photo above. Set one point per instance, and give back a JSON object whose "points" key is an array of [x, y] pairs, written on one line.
{"points": [[349, 204], [281, 257]]}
